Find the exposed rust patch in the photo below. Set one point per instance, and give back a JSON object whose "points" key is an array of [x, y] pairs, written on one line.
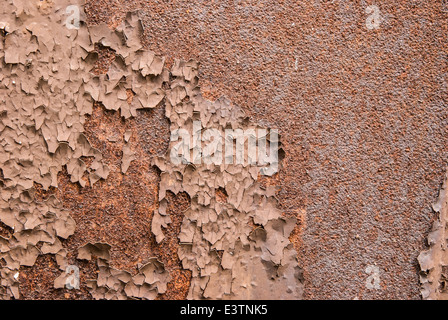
{"points": [[5, 231], [105, 58], [40, 194], [221, 195]]}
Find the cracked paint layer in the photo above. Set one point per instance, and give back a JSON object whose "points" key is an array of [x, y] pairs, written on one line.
{"points": [[46, 90], [434, 261], [235, 248]]}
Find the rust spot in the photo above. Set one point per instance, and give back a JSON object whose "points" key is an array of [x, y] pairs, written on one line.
{"points": [[40, 194], [221, 195], [5, 231], [105, 58]]}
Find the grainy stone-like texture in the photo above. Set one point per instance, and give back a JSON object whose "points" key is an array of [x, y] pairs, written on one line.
{"points": [[363, 118]]}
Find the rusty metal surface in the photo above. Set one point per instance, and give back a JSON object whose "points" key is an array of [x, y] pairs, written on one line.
{"points": [[362, 115]]}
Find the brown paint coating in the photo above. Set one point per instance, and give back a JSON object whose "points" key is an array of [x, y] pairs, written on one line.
{"points": [[118, 211]]}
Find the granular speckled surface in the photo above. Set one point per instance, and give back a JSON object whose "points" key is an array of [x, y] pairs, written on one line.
{"points": [[362, 114]]}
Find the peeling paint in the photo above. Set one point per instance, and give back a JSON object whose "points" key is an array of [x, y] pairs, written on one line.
{"points": [[236, 246], [434, 261], [255, 263]]}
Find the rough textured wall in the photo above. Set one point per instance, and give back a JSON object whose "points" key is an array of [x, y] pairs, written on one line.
{"points": [[362, 116], [232, 242]]}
